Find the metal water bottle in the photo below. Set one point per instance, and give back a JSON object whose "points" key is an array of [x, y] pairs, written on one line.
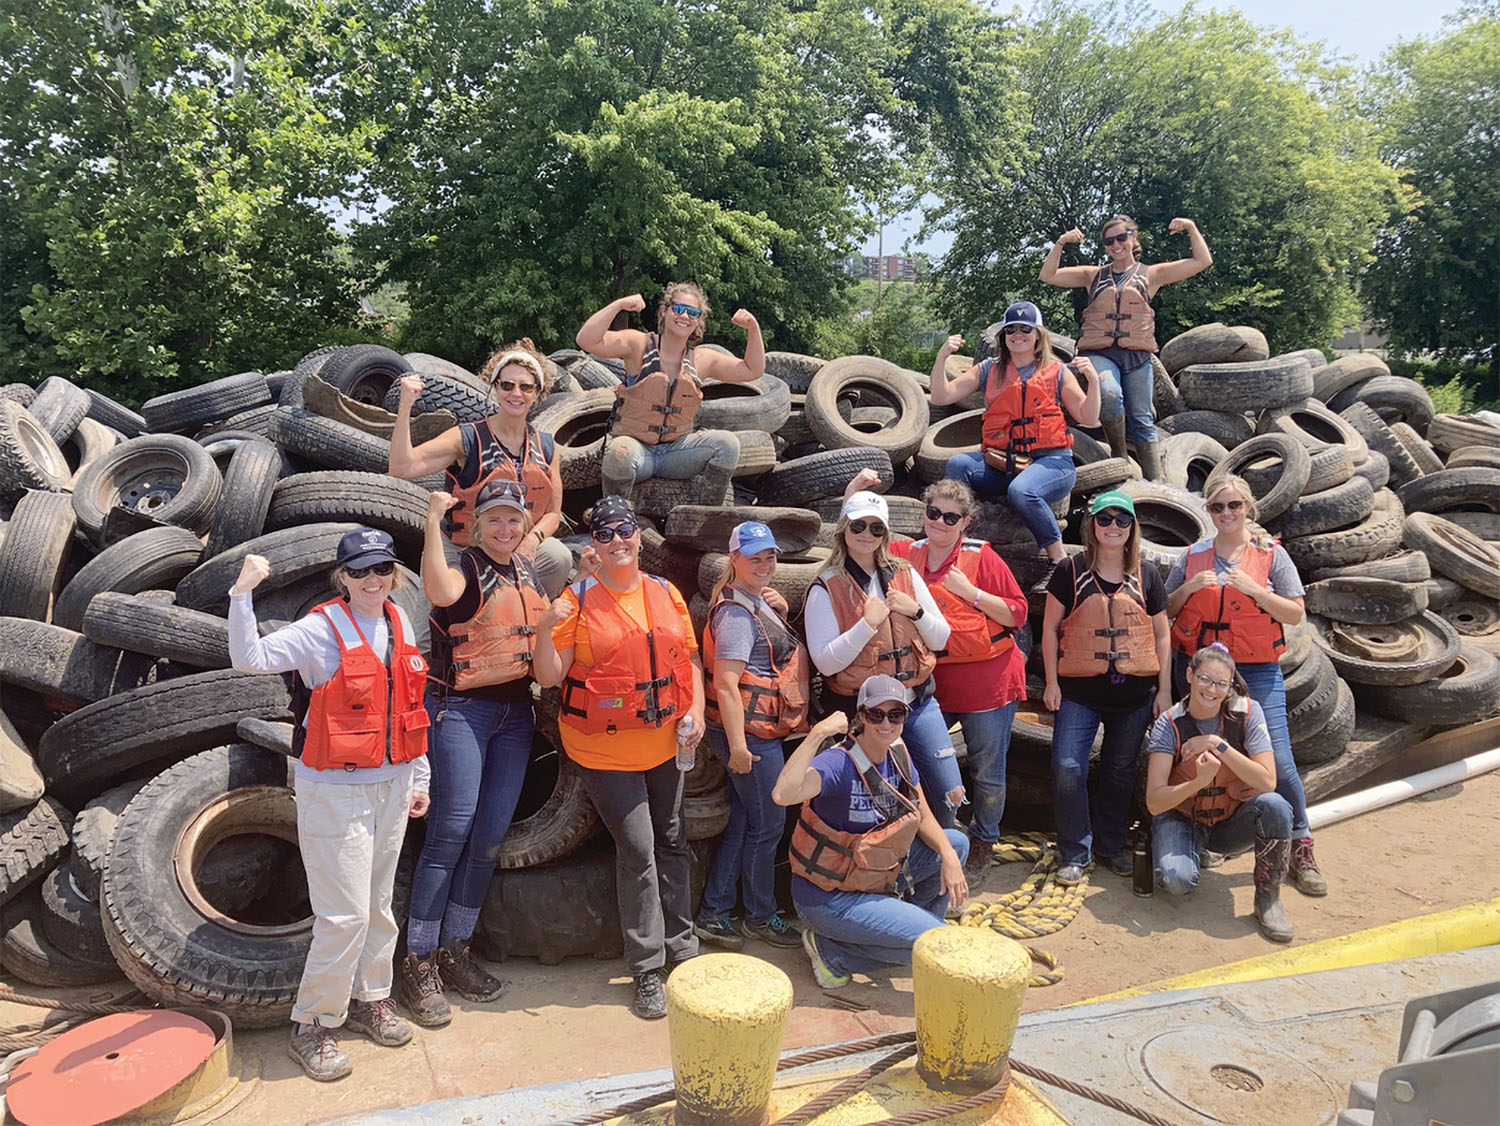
{"points": [[686, 752], [1142, 875]]}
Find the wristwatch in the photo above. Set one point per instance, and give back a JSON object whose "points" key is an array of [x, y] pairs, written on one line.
{"points": [[1224, 746], [917, 617]]}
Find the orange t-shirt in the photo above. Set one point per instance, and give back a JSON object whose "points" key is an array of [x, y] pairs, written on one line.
{"points": [[624, 750]]}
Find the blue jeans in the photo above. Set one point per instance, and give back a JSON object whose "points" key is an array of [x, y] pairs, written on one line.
{"points": [[628, 462], [925, 734], [987, 737], [1073, 730], [861, 931], [1175, 840], [1268, 689], [1031, 493], [478, 750], [747, 852], [1131, 391]]}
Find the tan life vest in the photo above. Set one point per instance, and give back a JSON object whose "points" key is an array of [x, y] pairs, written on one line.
{"points": [[897, 649], [1107, 632], [657, 408], [497, 644], [974, 635], [775, 705], [835, 860], [1228, 791], [534, 470], [1119, 316]]}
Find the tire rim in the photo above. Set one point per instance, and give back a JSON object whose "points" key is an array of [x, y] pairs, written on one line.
{"points": [[371, 388], [38, 443], [1472, 616], [1398, 642], [146, 482]]}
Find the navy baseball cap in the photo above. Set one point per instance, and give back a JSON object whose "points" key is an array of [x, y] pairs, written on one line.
{"points": [[364, 547], [1023, 313]]}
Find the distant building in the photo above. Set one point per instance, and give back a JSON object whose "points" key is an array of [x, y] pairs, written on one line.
{"points": [[893, 267], [853, 266]]}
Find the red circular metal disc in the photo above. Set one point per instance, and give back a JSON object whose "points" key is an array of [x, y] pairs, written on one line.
{"points": [[107, 1068]]}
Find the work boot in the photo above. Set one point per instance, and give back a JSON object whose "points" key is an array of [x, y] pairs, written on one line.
{"points": [[714, 486], [378, 1021], [1146, 453], [462, 973], [977, 863], [1303, 873], [1114, 431], [1271, 859], [317, 1049], [422, 992]]}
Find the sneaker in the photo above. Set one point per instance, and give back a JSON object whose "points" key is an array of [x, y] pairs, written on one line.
{"points": [[378, 1021], [824, 976], [422, 992], [1120, 863], [1069, 875], [317, 1049], [776, 931], [718, 930], [461, 972], [977, 863], [650, 997]]}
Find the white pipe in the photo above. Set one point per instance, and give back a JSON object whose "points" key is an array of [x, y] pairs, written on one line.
{"points": [[1328, 812]]}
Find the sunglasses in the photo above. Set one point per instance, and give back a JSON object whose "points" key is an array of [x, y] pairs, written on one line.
{"points": [[1106, 519], [1210, 682], [1018, 330], [896, 713], [624, 531], [875, 527], [949, 518], [509, 385], [691, 312], [1112, 239], [1218, 506], [381, 569]]}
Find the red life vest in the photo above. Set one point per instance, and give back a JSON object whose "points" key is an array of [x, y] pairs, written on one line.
{"points": [[533, 469], [835, 860], [1024, 417], [775, 705], [1107, 632], [640, 678], [654, 407], [1231, 617], [1228, 791], [1119, 316], [897, 649], [365, 711], [496, 645], [975, 635]]}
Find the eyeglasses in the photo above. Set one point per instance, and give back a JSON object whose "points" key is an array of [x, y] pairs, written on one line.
{"points": [[1106, 518], [1210, 682], [624, 531], [1110, 240], [1018, 330], [1218, 506], [896, 713], [949, 518], [509, 385], [381, 569], [858, 527], [691, 312]]}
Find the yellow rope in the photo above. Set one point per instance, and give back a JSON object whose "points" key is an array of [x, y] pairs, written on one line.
{"points": [[1039, 906]]}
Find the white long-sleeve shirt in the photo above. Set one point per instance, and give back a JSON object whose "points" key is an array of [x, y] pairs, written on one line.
{"points": [[833, 651], [309, 648]]}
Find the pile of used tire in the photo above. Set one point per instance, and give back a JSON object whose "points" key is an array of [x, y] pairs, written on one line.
{"points": [[120, 534]]}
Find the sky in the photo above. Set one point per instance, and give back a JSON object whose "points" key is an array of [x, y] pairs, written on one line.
{"points": [[1360, 29]]}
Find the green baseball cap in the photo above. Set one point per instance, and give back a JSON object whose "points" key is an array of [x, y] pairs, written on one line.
{"points": [[1112, 499]]}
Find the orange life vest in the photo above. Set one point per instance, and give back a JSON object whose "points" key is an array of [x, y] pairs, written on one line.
{"points": [[1119, 316], [366, 711], [1226, 615], [975, 635], [835, 860], [640, 678], [897, 649], [534, 470], [496, 645], [1228, 791], [775, 705], [1024, 417], [1107, 632], [654, 407]]}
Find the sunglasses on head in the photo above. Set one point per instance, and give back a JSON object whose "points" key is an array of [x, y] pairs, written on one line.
{"points": [[1018, 330], [691, 312], [1110, 240], [381, 569], [1218, 506], [949, 518], [509, 385], [1106, 518], [896, 713], [875, 527], [624, 531]]}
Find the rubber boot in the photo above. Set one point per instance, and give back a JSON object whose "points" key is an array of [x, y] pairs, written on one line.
{"points": [[1271, 859], [1114, 431], [714, 486], [1150, 462]]}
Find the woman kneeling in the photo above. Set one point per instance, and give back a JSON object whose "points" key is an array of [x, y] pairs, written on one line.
{"points": [[1211, 782]]}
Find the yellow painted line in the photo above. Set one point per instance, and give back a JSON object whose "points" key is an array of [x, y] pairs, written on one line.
{"points": [[1459, 929]]}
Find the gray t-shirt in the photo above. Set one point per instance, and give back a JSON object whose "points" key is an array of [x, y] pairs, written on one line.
{"points": [[1257, 738], [1283, 579], [738, 637]]}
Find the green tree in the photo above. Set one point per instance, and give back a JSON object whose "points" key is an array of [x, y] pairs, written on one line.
{"points": [[1435, 283], [1203, 115]]}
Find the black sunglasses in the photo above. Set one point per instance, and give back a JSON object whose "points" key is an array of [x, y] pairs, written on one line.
{"points": [[875, 526], [1218, 506], [381, 569], [949, 518], [1105, 519], [624, 531], [1110, 240], [509, 385], [1018, 330], [896, 713]]}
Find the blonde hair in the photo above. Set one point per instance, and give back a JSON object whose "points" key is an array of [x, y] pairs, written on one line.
{"points": [[1217, 482], [526, 520], [1130, 225], [838, 555], [956, 491], [522, 352], [1132, 545], [397, 580], [672, 293], [726, 576]]}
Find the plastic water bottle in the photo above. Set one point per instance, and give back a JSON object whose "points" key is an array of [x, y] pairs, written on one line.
{"points": [[686, 752]]}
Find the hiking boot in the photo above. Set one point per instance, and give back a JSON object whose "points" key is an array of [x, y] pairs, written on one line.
{"points": [[977, 863], [461, 972], [776, 931], [824, 976], [650, 997], [1069, 875], [1119, 863], [378, 1021], [718, 930], [1303, 872], [1271, 859], [317, 1049], [422, 992]]}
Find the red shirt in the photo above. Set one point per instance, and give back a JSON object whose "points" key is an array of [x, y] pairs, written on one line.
{"points": [[982, 685]]}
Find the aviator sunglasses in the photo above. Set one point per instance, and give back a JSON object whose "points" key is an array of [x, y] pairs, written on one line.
{"points": [[509, 385], [691, 312], [1110, 240], [381, 569], [949, 518], [875, 527], [896, 713], [624, 531], [1106, 518], [1018, 330], [1218, 506]]}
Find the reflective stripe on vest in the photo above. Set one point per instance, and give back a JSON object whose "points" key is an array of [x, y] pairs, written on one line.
{"points": [[1107, 632], [775, 705], [897, 648], [653, 407], [1119, 316], [1221, 613], [497, 644], [871, 861], [975, 635], [1025, 416], [1227, 792], [495, 462]]}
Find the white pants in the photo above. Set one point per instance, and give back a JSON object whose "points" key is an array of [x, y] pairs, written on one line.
{"points": [[350, 835]]}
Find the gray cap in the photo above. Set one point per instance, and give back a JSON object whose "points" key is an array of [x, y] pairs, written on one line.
{"points": [[878, 689]]}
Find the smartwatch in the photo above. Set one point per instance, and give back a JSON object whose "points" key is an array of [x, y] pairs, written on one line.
{"points": [[917, 617]]}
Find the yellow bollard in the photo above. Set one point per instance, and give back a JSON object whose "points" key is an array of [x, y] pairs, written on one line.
{"points": [[968, 985], [726, 1014]]}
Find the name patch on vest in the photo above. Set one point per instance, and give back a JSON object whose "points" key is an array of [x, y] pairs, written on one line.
{"points": [[611, 702]]}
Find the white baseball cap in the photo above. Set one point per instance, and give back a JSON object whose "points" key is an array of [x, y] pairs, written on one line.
{"points": [[864, 503]]}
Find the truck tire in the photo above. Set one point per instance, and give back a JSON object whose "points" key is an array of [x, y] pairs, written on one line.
{"points": [[186, 637], [1252, 386], [93, 830], [167, 477], [293, 553], [32, 841], [34, 554], [253, 471], [185, 411], [151, 560], [1427, 645], [1454, 552], [29, 458]]}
